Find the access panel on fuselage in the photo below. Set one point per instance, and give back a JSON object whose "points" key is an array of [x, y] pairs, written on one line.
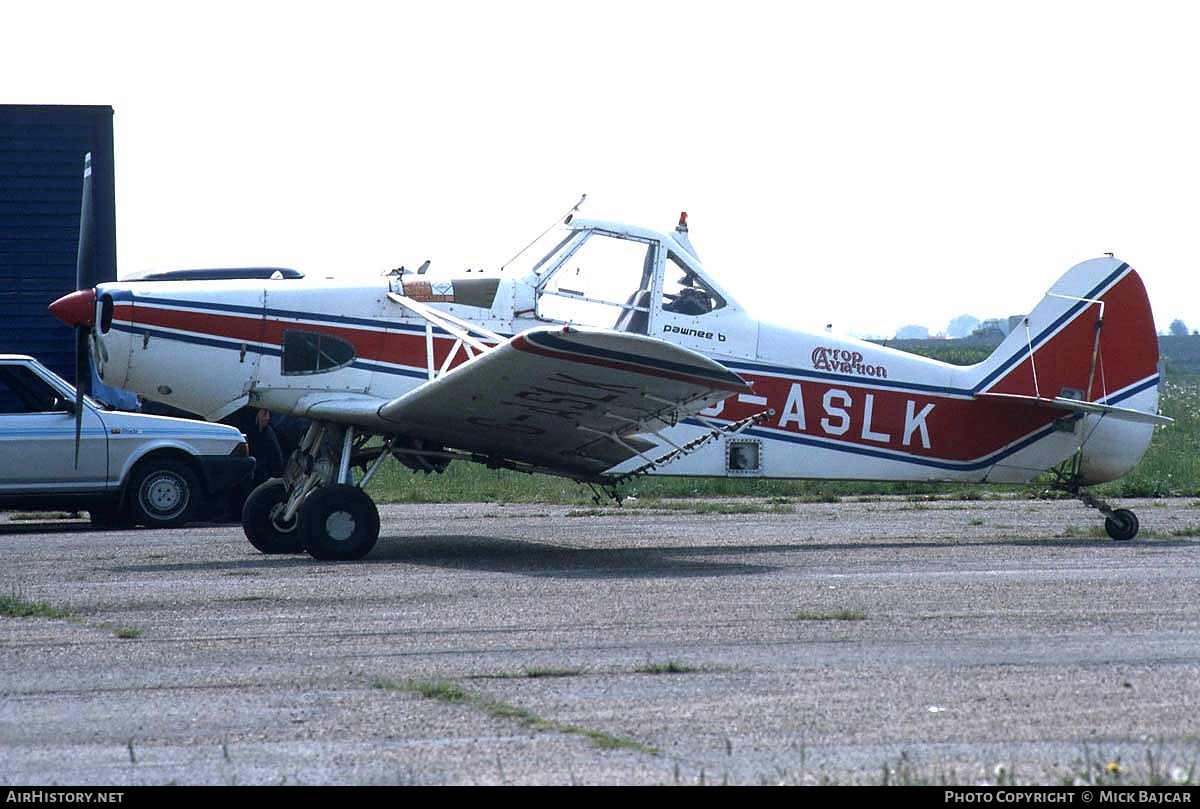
{"points": [[321, 338]]}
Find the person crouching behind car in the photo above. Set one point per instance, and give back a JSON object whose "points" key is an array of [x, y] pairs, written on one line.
{"points": [[255, 424]]}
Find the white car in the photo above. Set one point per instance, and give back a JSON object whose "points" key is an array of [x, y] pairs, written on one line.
{"points": [[132, 469]]}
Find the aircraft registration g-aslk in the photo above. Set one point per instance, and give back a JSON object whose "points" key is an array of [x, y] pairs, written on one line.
{"points": [[607, 352]]}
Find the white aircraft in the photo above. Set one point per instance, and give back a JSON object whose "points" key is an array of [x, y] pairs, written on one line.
{"points": [[608, 352]]}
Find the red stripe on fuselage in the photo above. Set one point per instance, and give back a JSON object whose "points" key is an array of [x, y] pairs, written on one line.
{"points": [[395, 347], [956, 429]]}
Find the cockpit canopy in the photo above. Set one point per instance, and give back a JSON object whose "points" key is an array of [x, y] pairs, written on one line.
{"points": [[614, 276]]}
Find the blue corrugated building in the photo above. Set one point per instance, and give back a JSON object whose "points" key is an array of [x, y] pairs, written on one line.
{"points": [[41, 179]]}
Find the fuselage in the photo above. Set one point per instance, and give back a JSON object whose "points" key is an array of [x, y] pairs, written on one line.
{"points": [[842, 408]]}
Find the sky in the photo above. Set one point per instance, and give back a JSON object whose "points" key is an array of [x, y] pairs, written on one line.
{"points": [[865, 164]]}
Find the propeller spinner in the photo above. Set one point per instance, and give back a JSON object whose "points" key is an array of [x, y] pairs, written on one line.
{"points": [[76, 309]]}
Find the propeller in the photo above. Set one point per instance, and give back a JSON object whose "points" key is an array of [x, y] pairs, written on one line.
{"points": [[78, 309]]}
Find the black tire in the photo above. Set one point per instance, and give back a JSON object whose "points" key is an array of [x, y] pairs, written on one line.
{"points": [[338, 523], [163, 493], [1122, 525], [260, 520], [110, 516]]}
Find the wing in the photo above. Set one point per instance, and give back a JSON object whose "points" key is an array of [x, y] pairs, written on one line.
{"points": [[563, 399]]}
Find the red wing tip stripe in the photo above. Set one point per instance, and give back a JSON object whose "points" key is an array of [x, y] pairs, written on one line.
{"points": [[646, 366]]}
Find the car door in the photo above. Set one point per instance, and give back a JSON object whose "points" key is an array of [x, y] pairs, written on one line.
{"points": [[37, 437]]}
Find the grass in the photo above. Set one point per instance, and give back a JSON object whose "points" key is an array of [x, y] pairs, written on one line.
{"points": [[453, 694], [129, 633], [1171, 466], [474, 483], [688, 507], [1101, 770], [597, 512], [946, 351], [1085, 532], [534, 673], [837, 615], [14, 605], [722, 507], [25, 516], [439, 690], [669, 667], [1091, 770]]}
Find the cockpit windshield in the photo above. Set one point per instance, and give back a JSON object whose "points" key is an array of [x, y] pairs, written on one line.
{"points": [[598, 279], [615, 280]]}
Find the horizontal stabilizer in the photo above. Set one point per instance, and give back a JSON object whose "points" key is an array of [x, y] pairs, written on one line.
{"points": [[1077, 406]]}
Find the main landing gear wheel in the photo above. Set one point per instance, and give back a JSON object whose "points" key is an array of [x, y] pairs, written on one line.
{"points": [[1122, 525], [262, 520], [338, 522]]}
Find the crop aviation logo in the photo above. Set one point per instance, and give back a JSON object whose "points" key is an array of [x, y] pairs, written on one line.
{"points": [[842, 361]]}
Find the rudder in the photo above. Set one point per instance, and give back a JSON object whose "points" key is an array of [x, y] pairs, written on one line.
{"points": [[1090, 339]]}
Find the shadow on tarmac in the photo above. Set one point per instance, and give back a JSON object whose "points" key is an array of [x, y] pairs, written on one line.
{"points": [[526, 558]]}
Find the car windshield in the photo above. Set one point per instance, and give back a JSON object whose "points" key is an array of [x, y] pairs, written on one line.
{"points": [[23, 391]]}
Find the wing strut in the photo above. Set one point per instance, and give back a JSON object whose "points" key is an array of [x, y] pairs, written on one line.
{"points": [[466, 334]]}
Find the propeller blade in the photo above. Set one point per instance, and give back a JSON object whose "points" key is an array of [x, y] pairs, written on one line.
{"points": [[83, 280], [87, 227], [84, 273], [81, 343]]}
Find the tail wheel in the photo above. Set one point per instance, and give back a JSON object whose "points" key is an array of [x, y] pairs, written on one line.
{"points": [[262, 520], [163, 493], [339, 522], [1122, 525]]}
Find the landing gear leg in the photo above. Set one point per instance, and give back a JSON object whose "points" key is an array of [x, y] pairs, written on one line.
{"points": [[1121, 524]]}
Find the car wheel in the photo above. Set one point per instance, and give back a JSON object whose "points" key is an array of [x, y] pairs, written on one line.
{"points": [[163, 493], [262, 520]]}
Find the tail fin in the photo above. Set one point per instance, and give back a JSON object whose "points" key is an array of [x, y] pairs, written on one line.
{"points": [[1089, 347]]}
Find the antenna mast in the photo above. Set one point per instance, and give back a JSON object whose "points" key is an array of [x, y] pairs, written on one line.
{"points": [[565, 217]]}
